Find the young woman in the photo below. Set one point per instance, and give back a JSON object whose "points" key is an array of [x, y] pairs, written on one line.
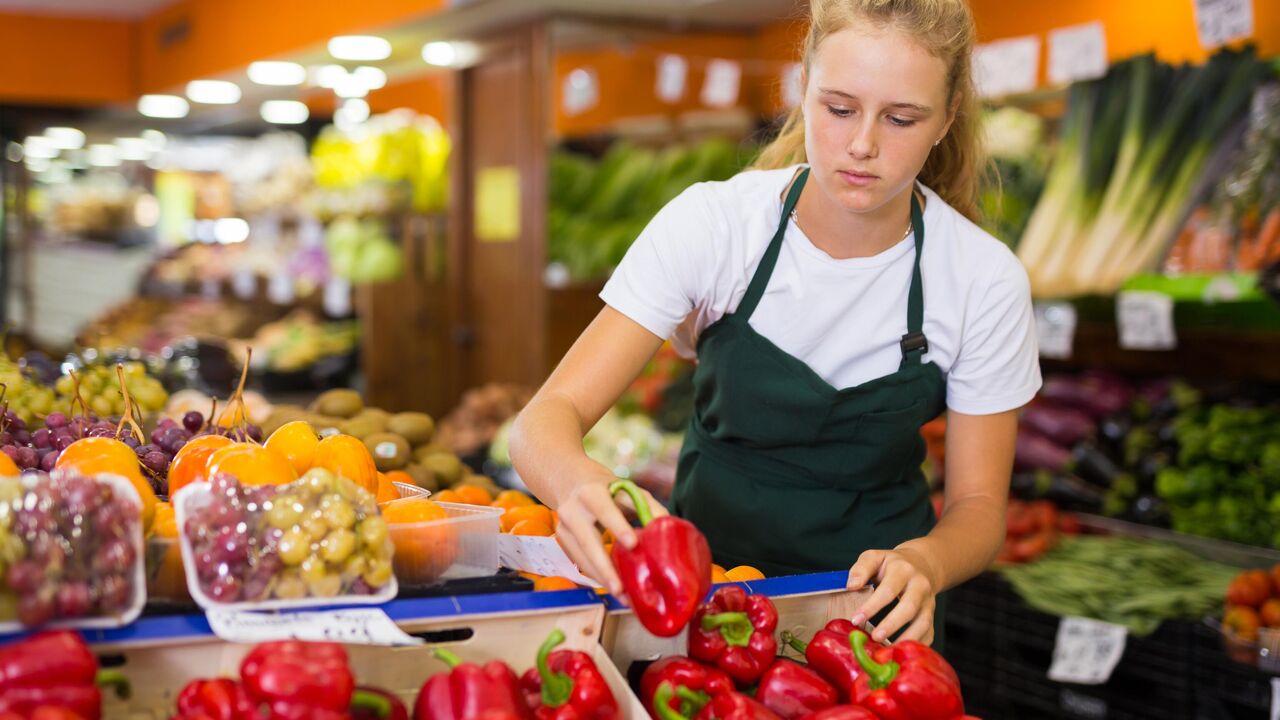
{"points": [[838, 296]]}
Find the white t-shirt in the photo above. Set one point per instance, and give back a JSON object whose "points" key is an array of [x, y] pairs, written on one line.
{"points": [[843, 318]]}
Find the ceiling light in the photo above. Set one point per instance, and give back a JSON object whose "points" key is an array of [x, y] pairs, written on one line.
{"points": [[163, 106], [350, 86], [39, 147], [355, 110], [104, 155], [277, 73], [38, 165], [155, 140], [328, 76], [359, 48], [449, 54], [213, 92], [230, 230], [373, 78], [65, 138], [285, 112], [133, 148]]}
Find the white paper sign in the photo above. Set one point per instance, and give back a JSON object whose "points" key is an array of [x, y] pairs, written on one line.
{"points": [[581, 91], [720, 88], [1087, 651], [673, 70], [1078, 52], [360, 626], [792, 89], [280, 289], [1145, 320], [1055, 329], [337, 297], [1007, 66], [1218, 22], [540, 556]]}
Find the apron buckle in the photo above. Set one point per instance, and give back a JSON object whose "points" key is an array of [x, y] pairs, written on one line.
{"points": [[912, 342]]}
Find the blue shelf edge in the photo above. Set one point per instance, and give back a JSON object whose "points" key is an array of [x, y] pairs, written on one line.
{"points": [[773, 587]]}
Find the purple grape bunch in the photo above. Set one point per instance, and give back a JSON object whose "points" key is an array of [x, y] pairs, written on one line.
{"points": [[236, 555]]}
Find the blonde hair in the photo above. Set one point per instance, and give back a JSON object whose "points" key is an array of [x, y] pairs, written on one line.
{"points": [[955, 169]]}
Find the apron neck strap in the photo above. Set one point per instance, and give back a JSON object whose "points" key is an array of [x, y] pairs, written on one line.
{"points": [[764, 271], [914, 344]]}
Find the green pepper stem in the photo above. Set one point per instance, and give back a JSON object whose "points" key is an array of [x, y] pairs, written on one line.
{"points": [[447, 657], [796, 643], [662, 703], [692, 701], [115, 680], [734, 627], [556, 687], [643, 512], [878, 675], [365, 700]]}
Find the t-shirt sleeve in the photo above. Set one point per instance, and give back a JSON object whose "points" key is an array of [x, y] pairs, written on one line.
{"points": [[998, 366], [661, 278]]}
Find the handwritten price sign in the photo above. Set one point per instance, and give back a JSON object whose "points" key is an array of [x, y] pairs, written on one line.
{"points": [[360, 626]]}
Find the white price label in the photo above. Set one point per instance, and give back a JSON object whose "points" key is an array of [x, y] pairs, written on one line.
{"points": [[358, 626], [720, 88], [1007, 66], [581, 91], [1077, 53], [1145, 320], [1218, 22], [1087, 651], [792, 89], [541, 556], [1055, 329], [280, 290], [337, 297], [673, 70]]}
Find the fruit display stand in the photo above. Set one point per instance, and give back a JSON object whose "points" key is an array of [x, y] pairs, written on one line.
{"points": [[159, 655], [805, 604]]}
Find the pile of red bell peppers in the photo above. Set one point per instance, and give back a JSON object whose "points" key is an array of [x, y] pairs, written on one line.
{"points": [[733, 672]]}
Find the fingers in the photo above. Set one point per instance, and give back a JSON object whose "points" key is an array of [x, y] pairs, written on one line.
{"points": [[581, 539], [656, 508], [605, 511], [921, 629], [915, 601], [867, 567], [890, 586]]}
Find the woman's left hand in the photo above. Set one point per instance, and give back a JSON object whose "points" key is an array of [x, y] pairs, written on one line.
{"points": [[903, 574]]}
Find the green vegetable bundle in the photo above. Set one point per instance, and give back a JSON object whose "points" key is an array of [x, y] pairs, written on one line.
{"points": [[1129, 582]]}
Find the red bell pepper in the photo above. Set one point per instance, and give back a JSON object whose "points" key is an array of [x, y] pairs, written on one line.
{"points": [[792, 690], [219, 699], [376, 704], [470, 691], [299, 679], [53, 671], [668, 573], [567, 685], [842, 712], [830, 654], [44, 712], [734, 632], [729, 706], [689, 678], [907, 681]]}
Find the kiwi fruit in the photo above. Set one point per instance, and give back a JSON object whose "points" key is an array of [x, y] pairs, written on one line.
{"points": [[422, 477], [339, 402], [390, 451], [377, 415], [446, 467], [415, 427], [422, 452]]}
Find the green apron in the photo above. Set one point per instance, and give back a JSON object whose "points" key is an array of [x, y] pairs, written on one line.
{"points": [[784, 472]]}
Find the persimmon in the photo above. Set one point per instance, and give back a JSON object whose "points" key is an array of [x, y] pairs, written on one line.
{"points": [[386, 490], [297, 441], [347, 457], [251, 464], [8, 468], [190, 463], [97, 455]]}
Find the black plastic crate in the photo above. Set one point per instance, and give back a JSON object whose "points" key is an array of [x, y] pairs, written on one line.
{"points": [[1225, 689]]}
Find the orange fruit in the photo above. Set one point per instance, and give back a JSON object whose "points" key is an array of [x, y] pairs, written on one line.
{"points": [[8, 468], [400, 476], [413, 510], [743, 573], [189, 464], [297, 441], [529, 575], [532, 527], [386, 491], [541, 513], [95, 455], [449, 496], [423, 549], [554, 582], [508, 499], [166, 522], [346, 456], [251, 464], [474, 495], [718, 576]]}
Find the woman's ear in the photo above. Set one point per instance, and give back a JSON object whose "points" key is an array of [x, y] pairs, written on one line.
{"points": [[952, 110]]}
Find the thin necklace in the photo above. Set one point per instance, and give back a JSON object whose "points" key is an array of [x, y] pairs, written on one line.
{"points": [[795, 218]]}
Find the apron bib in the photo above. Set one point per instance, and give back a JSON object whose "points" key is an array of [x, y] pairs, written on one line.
{"points": [[786, 473]]}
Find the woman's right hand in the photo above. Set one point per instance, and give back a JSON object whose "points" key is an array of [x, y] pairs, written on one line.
{"points": [[585, 509]]}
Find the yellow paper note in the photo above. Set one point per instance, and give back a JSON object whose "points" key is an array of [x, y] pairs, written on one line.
{"points": [[497, 204]]}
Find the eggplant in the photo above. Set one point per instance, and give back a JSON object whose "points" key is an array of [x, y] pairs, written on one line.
{"points": [[1098, 394], [1065, 491], [1063, 425], [1034, 451], [1090, 463], [1151, 510]]}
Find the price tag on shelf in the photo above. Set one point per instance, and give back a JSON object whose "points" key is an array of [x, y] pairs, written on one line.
{"points": [[720, 88], [1055, 329], [1007, 66], [1145, 320], [540, 556], [1078, 52], [1086, 651], [1218, 22], [356, 626], [673, 70]]}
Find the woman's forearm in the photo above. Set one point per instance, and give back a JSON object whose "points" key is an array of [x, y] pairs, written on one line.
{"points": [[547, 452], [964, 542]]}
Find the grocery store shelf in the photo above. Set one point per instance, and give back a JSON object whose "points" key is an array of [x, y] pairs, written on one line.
{"points": [[787, 585]]}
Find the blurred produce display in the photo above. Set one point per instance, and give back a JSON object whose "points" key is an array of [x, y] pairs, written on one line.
{"points": [[298, 341], [1015, 142], [474, 424], [152, 324], [599, 207], [663, 390], [361, 251], [97, 206]]}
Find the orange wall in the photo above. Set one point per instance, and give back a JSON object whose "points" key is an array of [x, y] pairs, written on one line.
{"points": [[429, 94], [224, 35], [61, 61]]}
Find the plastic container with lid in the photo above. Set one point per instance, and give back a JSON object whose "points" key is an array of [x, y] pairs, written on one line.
{"points": [[462, 544]]}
